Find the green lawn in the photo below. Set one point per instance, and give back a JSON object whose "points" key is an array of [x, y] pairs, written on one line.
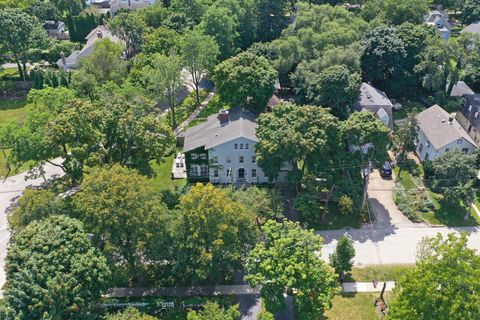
{"points": [[383, 272], [9, 72], [213, 107], [407, 108], [162, 179], [13, 110], [335, 219], [357, 306]]}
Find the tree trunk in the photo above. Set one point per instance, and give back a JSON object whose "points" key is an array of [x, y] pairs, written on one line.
{"points": [[24, 71], [197, 94], [174, 120], [19, 66]]}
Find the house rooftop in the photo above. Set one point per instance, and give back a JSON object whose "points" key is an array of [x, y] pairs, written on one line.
{"points": [[376, 101], [440, 127], [241, 123], [460, 89], [473, 28]]}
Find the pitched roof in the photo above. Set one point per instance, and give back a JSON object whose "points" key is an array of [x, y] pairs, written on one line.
{"points": [[273, 101], [435, 125], [473, 28], [460, 89], [374, 100], [242, 124]]}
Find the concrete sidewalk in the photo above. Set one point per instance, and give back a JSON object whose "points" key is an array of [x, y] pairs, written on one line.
{"points": [[367, 286]]}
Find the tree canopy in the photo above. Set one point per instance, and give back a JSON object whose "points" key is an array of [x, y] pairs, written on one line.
{"points": [[53, 271], [443, 283], [287, 261], [245, 79]]}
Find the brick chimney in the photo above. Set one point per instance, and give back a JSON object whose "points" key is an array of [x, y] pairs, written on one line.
{"points": [[223, 116]]}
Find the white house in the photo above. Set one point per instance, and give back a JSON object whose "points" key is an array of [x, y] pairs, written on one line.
{"points": [[222, 149], [439, 20], [56, 29], [439, 132]]}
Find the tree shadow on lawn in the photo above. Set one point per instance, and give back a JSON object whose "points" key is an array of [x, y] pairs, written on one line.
{"points": [[11, 104], [451, 215]]}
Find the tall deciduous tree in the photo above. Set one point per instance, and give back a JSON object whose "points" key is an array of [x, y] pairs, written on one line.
{"points": [[199, 54], [443, 284], [130, 27], [164, 80], [20, 34], [105, 62], [53, 272], [221, 24], [129, 314], [470, 11], [367, 135], [213, 234], [406, 136], [454, 176], [382, 60], [287, 262], [397, 12], [335, 87], [271, 18], [121, 210], [245, 79], [302, 136]]}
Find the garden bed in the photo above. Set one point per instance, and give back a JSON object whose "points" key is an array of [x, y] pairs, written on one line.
{"points": [[419, 203]]}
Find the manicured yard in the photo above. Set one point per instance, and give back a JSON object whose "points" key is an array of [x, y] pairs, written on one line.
{"points": [[417, 201], [213, 107], [384, 272], [358, 306], [183, 110], [13, 110], [336, 220], [162, 179], [9, 72]]}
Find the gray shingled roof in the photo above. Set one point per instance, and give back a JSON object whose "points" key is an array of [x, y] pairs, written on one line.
{"points": [[460, 89], [434, 123], [473, 28], [374, 100], [210, 133]]}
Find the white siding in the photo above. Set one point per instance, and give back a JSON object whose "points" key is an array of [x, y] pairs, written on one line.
{"points": [[228, 151], [424, 147]]}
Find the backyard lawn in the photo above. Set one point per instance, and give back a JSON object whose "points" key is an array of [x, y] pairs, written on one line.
{"points": [[162, 179]]}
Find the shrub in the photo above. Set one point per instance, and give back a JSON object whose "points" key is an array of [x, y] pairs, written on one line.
{"points": [[345, 205]]}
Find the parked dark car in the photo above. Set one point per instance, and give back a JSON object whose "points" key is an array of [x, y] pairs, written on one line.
{"points": [[386, 170]]}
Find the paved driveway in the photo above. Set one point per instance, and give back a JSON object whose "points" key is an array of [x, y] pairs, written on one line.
{"points": [[10, 191], [380, 198]]}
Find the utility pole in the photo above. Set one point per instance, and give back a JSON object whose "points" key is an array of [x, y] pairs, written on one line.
{"points": [[366, 177]]}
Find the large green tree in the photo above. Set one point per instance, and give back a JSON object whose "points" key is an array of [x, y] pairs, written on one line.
{"points": [[454, 176], [335, 87], [342, 259], [164, 80], [105, 62], [399, 11], [130, 27], [366, 135], [199, 54], [245, 79], [271, 18], [21, 33], [443, 284], [213, 234], [129, 314], [34, 205], [306, 137], [287, 262], [122, 211], [53, 272], [406, 136], [382, 60], [470, 11], [115, 129]]}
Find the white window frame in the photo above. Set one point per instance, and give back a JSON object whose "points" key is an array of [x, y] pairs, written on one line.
{"points": [[241, 159], [254, 173], [194, 156]]}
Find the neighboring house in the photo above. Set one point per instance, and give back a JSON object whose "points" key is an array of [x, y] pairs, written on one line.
{"points": [[222, 149], [71, 62], [272, 103], [469, 116], [473, 28], [116, 5], [376, 101], [460, 89], [439, 20], [439, 132], [56, 29]]}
